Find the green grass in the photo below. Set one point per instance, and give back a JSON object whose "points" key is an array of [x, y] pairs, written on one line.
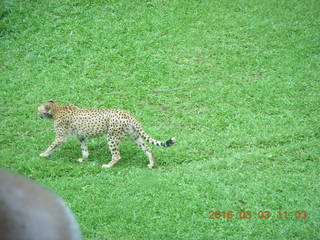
{"points": [[236, 82]]}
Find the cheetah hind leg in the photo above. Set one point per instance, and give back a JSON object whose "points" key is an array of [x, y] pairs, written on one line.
{"points": [[141, 144], [114, 149], [84, 149]]}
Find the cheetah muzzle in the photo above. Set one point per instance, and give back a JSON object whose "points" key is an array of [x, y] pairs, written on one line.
{"points": [[70, 120]]}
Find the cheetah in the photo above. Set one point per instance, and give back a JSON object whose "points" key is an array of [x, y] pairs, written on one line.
{"points": [[70, 120]]}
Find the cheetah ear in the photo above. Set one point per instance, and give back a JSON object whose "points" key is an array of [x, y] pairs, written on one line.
{"points": [[51, 101]]}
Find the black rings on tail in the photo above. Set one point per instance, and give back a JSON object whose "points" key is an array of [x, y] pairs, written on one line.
{"points": [[168, 143], [140, 132]]}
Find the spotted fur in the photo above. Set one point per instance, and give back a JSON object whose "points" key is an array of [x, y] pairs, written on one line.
{"points": [[89, 123]]}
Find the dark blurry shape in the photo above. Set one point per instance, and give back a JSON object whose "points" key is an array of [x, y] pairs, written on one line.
{"points": [[29, 211]]}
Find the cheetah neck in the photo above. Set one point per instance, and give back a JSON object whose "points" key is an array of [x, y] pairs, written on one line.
{"points": [[56, 109]]}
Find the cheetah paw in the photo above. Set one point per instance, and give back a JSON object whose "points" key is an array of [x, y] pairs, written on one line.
{"points": [[106, 166], [151, 165], [44, 154]]}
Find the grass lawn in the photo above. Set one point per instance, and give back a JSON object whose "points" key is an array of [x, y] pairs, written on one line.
{"points": [[236, 82]]}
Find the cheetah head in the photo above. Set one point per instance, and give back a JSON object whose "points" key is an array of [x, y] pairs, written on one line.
{"points": [[45, 110]]}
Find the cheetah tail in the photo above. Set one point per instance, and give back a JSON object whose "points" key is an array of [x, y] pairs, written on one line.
{"points": [[146, 137], [170, 142], [167, 143]]}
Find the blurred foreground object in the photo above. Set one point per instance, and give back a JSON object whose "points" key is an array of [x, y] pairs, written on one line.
{"points": [[29, 211]]}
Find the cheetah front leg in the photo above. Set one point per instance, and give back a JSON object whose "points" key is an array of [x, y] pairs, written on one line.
{"points": [[56, 143], [84, 149], [114, 149]]}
